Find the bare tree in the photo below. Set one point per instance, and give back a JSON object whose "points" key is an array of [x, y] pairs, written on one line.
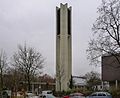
{"points": [[92, 79], [13, 78], [3, 66], [106, 30], [29, 62]]}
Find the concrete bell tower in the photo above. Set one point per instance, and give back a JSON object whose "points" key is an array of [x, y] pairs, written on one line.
{"points": [[63, 47]]}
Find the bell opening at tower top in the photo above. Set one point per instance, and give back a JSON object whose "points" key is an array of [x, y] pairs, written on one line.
{"points": [[69, 21], [58, 19]]}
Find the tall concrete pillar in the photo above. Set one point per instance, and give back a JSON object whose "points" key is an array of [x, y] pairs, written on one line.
{"points": [[63, 47]]}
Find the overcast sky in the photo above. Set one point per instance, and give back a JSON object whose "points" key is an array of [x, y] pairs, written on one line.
{"points": [[34, 22]]}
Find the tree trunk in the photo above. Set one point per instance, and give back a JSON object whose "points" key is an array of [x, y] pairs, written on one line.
{"points": [[29, 87], [1, 81]]}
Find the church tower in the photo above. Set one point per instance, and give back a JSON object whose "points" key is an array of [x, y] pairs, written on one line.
{"points": [[63, 47]]}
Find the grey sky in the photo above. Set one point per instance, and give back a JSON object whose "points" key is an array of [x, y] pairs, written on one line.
{"points": [[34, 22]]}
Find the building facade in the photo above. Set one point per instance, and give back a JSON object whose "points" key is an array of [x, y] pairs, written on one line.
{"points": [[63, 47], [111, 70]]}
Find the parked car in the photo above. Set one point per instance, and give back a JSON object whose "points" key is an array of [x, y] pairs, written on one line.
{"points": [[29, 94], [66, 96], [47, 92], [77, 95], [100, 95], [46, 96], [6, 94]]}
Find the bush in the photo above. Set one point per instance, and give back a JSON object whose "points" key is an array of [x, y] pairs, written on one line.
{"points": [[114, 91]]}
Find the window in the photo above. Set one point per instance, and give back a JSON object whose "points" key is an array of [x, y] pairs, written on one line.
{"points": [[94, 95]]}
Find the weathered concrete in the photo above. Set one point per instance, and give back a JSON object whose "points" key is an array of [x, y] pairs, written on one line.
{"points": [[63, 48]]}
